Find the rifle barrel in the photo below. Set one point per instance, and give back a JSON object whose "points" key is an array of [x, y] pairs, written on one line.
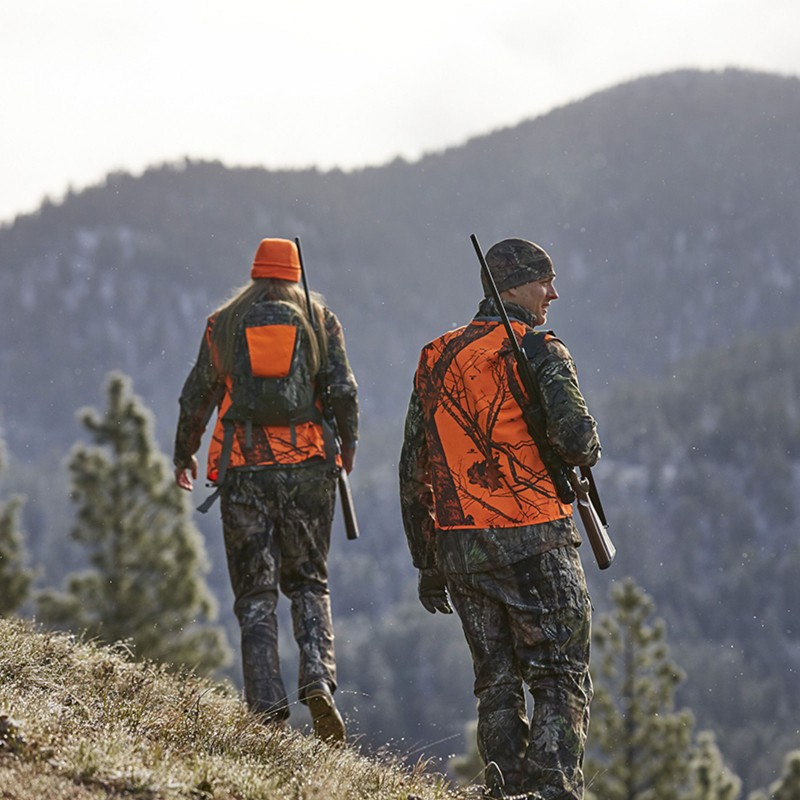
{"points": [[343, 482], [588, 501], [518, 354]]}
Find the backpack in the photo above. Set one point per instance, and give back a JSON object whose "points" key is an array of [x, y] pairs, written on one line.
{"points": [[271, 380]]}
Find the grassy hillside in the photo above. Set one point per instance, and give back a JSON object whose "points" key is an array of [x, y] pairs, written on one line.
{"points": [[80, 721]]}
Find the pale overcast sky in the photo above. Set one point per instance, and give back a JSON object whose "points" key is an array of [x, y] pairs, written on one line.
{"points": [[91, 86]]}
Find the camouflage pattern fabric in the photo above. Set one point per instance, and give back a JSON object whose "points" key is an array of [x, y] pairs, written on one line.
{"points": [[513, 262], [528, 623], [277, 526]]}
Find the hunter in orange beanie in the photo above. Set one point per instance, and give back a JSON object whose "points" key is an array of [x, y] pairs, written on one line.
{"points": [[276, 258], [260, 367]]}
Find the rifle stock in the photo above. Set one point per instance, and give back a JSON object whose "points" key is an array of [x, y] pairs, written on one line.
{"points": [[594, 526], [569, 487], [348, 507], [343, 482]]}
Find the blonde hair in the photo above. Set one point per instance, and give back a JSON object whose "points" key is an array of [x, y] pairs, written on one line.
{"points": [[228, 317]]}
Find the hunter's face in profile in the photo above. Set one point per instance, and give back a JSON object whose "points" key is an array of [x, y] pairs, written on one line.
{"points": [[535, 297]]}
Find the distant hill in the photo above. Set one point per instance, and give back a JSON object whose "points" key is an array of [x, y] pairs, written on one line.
{"points": [[669, 205]]}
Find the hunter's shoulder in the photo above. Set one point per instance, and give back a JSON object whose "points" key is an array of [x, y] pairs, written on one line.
{"points": [[541, 346], [556, 347]]}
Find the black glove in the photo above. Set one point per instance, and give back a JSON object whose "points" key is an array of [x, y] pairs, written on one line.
{"points": [[432, 592]]}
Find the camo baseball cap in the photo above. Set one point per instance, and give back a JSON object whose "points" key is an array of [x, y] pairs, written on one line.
{"points": [[513, 262]]}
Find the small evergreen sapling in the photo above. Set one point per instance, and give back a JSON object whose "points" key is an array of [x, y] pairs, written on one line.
{"points": [[145, 584]]}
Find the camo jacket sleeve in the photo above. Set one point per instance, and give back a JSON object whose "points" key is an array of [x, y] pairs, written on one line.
{"points": [[200, 395], [341, 382], [416, 495], [570, 428]]}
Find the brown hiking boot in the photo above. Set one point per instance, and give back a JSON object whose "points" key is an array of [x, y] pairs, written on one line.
{"points": [[328, 722]]}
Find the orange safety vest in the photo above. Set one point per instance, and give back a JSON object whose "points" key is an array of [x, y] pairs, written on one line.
{"points": [[485, 470]]}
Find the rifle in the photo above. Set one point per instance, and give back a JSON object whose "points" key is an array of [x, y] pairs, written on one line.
{"points": [[569, 486], [345, 495]]}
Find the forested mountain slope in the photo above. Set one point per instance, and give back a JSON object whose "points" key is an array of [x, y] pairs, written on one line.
{"points": [[669, 206], [703, 474], [667, 203]]}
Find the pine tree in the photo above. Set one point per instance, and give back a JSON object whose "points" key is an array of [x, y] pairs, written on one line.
{"points": [[787, 787], [146, 584], [709, 777], [640, 746], [15, 578]]}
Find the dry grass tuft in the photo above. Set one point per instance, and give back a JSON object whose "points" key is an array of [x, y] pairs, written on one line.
{"points": [[79, 721]]}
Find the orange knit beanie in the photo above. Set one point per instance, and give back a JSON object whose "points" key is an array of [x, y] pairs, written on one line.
{"points": [[276, 258]]}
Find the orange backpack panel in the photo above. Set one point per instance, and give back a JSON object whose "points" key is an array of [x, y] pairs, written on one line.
{"points": [[271, 349]]}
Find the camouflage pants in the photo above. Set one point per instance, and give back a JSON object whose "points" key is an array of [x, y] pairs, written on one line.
{"points": [[277, 526], [529, 624]]}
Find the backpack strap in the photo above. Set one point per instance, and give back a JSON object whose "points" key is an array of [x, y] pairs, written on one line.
{"points": [[329, 442], [222, 469], [534, 345], [219, 393], [204, 507], [227, 448]]}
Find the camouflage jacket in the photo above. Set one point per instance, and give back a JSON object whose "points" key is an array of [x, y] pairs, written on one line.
{"points": [[205, 389], [571, 431]]}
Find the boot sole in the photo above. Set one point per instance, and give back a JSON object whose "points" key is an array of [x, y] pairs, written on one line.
{"points": [[328, 723]]}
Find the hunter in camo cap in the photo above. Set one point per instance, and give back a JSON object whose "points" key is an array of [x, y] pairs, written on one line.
{"points": [[513, 262], [492, 540]]}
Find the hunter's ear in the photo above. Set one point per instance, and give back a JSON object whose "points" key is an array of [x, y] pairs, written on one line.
{"points": [[508, 294]]}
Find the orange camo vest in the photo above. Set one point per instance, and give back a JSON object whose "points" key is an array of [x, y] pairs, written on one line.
{"points": [[485, 470]]}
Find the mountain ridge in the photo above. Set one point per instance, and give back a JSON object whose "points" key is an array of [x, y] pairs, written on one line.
{"points": [[612, 204], [669, 207]]}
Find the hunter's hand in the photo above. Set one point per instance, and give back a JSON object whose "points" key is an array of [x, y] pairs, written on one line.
{"points": [[182, 478], [432, 592]]}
